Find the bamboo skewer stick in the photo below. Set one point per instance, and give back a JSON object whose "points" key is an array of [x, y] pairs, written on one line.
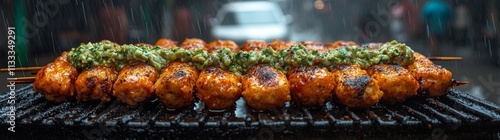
{"points": [[455, 83], [444, 58], [21, 69], [29, 79]]}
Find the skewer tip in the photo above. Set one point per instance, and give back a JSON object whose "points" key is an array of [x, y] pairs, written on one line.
{"points": [[445, 58], [455, 83]]}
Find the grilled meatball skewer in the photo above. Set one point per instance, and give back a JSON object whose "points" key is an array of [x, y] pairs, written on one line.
{"points": [[396, 82], [311, 86], [265, 88], [165, 43], [194, 44], [219, 88], [56, 80], [254, 45], [95, 84], [355, 88], [434, 80], [218, 44], [279, 45], [176, 85], [135, 83]]}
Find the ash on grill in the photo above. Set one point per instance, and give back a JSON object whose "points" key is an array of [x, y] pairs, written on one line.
{"points": [[456, 115]]}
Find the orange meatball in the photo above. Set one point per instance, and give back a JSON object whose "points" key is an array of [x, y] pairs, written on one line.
{"points": [[135, 83], [218, 44], [265, 88], [279, 45], [194, 44], [166, 43], [311, 86], [396, 82], [313, 45], [420, 61], [218, 88], [95, 84], [55, 80], [254, 45], [354, 87], [176, 85], [434, 80], [341, 43]]}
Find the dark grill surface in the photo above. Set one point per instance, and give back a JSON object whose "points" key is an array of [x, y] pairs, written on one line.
{"points": [[456, 115]]}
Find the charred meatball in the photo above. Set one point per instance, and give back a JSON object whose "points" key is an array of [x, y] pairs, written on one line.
{"points": [[55, 80], [420, 61], [311, 86], [254, 45], [95, 84], [396, 82], [218, 88], [218, 44], [194, 44], [265, 88], [341, 43], [135, 83], [176, 85], [433, 80], [279, 45], [354, 87], [166, 43], [313, 45]]}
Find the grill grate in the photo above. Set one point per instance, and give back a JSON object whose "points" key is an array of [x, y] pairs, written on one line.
{"points": [[454, 115]]}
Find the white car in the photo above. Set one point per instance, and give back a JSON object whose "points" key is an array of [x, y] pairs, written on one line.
{"points": [[254, 20]]}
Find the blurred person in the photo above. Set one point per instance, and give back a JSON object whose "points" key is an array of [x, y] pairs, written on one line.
{"points": [[183, 21], [437, 15], [397, 26], [114, 23], [403, 20]]}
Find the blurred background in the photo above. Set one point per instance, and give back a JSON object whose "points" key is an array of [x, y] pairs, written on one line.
{"points": [[465, 28]]}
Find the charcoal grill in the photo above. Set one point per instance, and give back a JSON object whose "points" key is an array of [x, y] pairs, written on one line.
{"points": [[456, 115]]}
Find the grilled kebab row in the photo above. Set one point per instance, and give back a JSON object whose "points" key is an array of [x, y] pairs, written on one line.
{"points": [[262, 86]]}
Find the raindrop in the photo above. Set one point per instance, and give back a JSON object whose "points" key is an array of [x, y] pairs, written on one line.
{"points": [[493, 21], [484, 40], [36, 60], [70, 42], [132, 14], [119, 22], [199, 29], [112, 33], [53, 45], [113, 5], [428, 33], [440, 24], [147, 29], [4, 19], [158, 22], [344, 21], [489, 46], [84, 15]]}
